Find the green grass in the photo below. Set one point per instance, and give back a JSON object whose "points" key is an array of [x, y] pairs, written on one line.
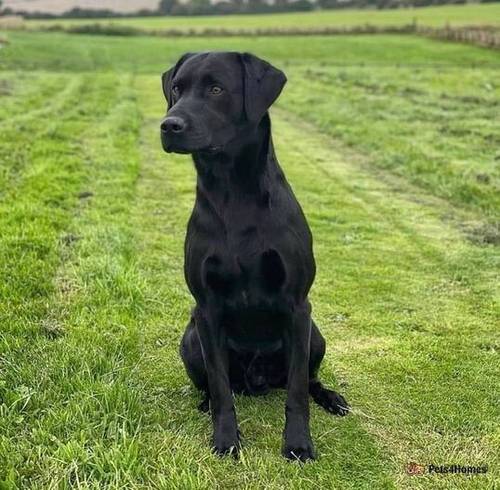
{"points": [[92, 296], [433, 16], [439, 130], [421, 108]]}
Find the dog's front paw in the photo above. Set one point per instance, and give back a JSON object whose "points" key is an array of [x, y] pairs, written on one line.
{"points": [[298, 444], [299, 450], [226, 445], [226, 440]]}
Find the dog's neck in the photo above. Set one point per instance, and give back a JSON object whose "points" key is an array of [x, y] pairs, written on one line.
{"points": [[242, 166]]}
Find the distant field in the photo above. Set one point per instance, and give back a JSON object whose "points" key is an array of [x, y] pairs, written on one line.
{"points": [[433, 16]]}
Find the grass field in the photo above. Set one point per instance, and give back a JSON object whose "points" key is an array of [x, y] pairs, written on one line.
{"points": [[432, 16], [401, 193]]}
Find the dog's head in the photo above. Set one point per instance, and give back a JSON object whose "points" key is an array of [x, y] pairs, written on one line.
{"points": [[214, 97]]}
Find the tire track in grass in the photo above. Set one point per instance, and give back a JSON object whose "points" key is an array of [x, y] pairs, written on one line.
{"points": [[29, 94], [408, 305], [31, 224], [21, 141], [175, 437], [444, 142], [33, 214], [100, 312]]}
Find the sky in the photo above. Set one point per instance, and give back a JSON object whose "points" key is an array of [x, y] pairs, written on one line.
{"points": [[59, 6]]}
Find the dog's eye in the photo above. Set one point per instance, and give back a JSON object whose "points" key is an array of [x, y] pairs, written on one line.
{"points": [[215, 90], [175, 90]]}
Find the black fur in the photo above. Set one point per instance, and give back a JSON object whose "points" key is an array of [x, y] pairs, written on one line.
{"points": [[248, 253]]}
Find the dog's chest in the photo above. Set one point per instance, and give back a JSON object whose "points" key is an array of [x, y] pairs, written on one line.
{"points": [[242, 264]]}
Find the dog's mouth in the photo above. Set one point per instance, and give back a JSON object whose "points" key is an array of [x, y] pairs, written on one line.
{"points": [[186, 145], [210, 150], [174, 149], [171, 147]]}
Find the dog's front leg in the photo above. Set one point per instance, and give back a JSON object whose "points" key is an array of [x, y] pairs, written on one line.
{"points": [[213, 344], [297, 437]]}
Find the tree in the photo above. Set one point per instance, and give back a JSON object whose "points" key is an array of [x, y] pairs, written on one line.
{"points": [[257, 6], [281, 4], [166, 6]]}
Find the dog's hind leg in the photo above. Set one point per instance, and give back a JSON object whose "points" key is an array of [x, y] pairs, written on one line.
{"points": [[330, 400], [192, 356]]}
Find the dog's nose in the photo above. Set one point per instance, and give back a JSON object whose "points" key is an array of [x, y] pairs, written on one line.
{"points": [[173, 124]]}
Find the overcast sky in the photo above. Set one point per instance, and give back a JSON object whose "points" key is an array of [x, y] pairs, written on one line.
{"points": [[59, 6]]}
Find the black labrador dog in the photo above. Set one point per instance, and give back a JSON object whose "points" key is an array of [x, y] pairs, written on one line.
{"points": [[248, 252]]}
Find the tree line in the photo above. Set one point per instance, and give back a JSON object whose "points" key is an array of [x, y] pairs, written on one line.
{"points": [[206, 7]]}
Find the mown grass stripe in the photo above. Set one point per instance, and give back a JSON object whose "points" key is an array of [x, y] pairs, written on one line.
{"points": [[101, 315], [70, 417], [32, 218], [426, 230], [440, 135], [37, 134], [176, 436], [24, 93]]}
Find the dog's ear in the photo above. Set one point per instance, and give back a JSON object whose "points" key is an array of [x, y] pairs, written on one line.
{"points": [[168, 76], [262, 84]]}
